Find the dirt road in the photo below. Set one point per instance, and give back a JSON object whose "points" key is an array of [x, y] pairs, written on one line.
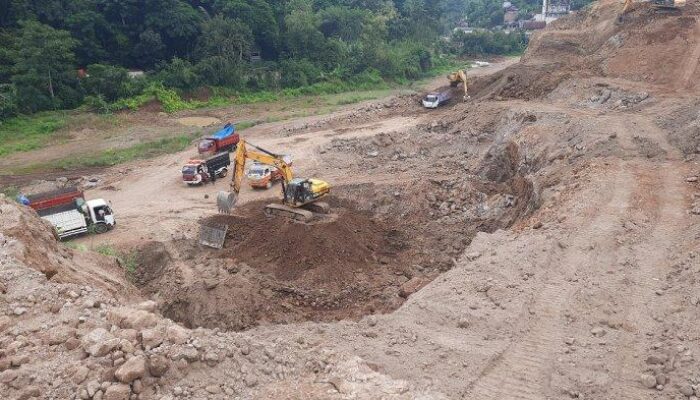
{"points": [[153, 203]]}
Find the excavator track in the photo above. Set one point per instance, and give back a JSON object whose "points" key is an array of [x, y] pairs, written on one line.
{"points": [[318, 207], [296, 214]]}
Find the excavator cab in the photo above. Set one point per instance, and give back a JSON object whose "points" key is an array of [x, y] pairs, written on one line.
{"points": [[300, 191], [459, 77]]}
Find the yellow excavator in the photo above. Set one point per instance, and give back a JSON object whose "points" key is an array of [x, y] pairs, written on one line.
{"points": [[300, 196], [662, 5], [458, 77]]}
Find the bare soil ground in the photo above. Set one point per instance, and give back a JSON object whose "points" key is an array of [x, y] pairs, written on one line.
{"points": [[538, 242]]}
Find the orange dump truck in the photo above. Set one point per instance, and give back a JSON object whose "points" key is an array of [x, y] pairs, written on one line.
{"points": [[263, 176]]}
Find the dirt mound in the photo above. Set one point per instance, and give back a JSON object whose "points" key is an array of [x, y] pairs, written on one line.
{"points": [[349, 242], [683, 125], [271, 269], [29, 239], [644, 46], [155, 256]]}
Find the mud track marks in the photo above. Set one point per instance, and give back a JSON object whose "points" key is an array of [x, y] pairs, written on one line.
{"points": [[691, 63], [523, 370]]}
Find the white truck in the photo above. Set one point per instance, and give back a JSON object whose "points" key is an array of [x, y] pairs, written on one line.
{"points": [[69, 213], [434, 100]]}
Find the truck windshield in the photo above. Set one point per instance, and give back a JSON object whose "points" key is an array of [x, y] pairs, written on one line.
{"points": [[188, 170], [431, 98], [256, 172]]}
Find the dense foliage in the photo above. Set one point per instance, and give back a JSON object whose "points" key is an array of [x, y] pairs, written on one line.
{"points": [[487, 42], [242, 45]]}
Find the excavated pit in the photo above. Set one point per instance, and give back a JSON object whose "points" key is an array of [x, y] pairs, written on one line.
{"points": [[380, 245]]}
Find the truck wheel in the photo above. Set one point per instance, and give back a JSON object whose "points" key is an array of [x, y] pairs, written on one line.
{"points": [[101, 228], [223, 173]]}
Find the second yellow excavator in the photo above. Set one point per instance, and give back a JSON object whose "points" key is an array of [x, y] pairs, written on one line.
{"points": [[457, 77], [662, 5], [300, 196]]}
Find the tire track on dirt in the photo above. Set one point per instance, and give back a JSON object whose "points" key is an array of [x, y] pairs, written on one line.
{"points": [[523, 370], [691, 64], [651, 258]]}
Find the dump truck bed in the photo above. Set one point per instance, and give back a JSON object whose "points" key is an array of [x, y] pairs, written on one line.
{"points": [[54, 198], [67, 223]]}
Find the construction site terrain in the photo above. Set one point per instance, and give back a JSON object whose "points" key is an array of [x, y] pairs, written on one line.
{"points": [[538, 241]]}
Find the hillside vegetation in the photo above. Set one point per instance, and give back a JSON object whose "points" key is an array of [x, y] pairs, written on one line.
{"points": [[61, 55]]}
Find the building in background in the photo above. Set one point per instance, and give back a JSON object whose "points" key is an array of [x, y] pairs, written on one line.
{"points": [[510, 14], [553, 9]]}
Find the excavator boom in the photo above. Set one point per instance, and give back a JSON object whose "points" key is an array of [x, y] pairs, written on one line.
{"points": [[458, 77], [225, 201], [297, 192]]}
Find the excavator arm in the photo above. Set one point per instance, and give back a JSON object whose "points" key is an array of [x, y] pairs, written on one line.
{"points": [[458, 77], [225, 201], [463, 76]]}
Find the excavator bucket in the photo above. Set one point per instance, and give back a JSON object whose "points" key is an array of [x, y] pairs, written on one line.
{"points": [[225, 201], [213, 235]]}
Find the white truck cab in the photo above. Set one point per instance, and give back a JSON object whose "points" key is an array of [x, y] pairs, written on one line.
{"points": [[101, 214]]}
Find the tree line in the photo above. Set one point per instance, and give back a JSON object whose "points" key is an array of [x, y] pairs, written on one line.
{"points": [[55, 54]]}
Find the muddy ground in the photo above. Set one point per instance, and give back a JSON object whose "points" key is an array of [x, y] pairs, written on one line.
{"points": [[540, 241]]}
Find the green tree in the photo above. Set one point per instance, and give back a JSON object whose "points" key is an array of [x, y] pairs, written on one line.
{"points": [[221, 71], [344, 23], [223, 37], [94, 36], [149, 49], [110, 82], [8, 101], [44, 76], [296, 73], [259, 15], [180, 74], [176, 21], [303, 39]]}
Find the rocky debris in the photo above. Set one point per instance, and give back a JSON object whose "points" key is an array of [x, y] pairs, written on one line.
{"points": [[213, 389], [117, 392], [134, 368], [686, 390], [617, 98], [359, 114], [657, 359], [189, 354], [177, 334], [648, 381], [125, 318], [411, 286], [99, 342], [149, 306], [598, 331], [158, 365], [81, 373], [151, 338], [463, 323], [17, 311]]}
